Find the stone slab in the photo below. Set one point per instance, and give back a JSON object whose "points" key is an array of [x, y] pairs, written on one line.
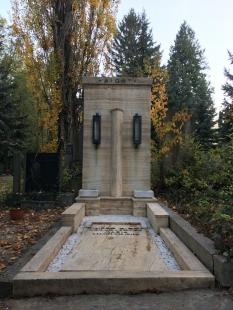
{"points": [[115, 246], [197, 243], [102, 97], [108, 282], [92, 205], [143, 194], [117, 80], [185, 258], [73, 216], [119, 205], [88, 193], [139, 206], [157, 216], [42, 259], [223, 271]]}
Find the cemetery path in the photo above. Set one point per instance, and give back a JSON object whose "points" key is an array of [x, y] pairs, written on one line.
{"points": [[202, 299], [16, 237]]}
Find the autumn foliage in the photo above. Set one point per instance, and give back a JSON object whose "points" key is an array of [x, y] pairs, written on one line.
{"points": [[61, 41]]}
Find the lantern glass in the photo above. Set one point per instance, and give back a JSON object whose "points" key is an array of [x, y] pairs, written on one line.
{"points": [[96, 129], [137, 129]]}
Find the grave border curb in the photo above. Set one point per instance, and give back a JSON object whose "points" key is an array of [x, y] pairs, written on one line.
{"points": [[202, 247]]}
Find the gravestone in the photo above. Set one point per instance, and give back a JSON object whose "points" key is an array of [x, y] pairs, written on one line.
{"points": [[42, 172], [16, 172], [116, 167], [1, 169]]}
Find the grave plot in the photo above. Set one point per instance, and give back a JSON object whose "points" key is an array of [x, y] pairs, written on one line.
{"points": [[113, 257], [110, 257]]}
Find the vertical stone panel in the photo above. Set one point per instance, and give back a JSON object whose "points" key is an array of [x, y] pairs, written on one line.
{"points": [[132, 95], [116, 152]]}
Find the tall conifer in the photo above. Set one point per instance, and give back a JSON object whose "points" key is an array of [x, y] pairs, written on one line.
{"points": [[187, 85], [133, 49], [226, 115], [11, 124]]}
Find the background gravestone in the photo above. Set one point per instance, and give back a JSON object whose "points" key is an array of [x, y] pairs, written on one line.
{"points": [[1, 169], [42, 172]]}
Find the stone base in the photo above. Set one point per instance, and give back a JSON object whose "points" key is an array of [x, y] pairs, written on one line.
{"points": [[158, 217], [108, 282], [113, 205], [91, 193], [143, 194]]}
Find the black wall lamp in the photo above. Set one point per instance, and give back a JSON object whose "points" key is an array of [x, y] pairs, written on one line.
{"points": [[96, 130], [69, 149], [137, 130]]}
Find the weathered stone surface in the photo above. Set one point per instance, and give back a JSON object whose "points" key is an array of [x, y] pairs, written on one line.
{"points": [[120, 205], [42, 259], [185, 258], [143, 194], [73, 216], [89, 193], [202, 246], [117, 116], [101, 97], [115, 246], [223, 271], [158, 217], [92, 205], [108, 282], [139, 206]]}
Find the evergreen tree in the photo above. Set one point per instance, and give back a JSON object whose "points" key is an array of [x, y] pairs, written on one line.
{"points": [[187, 85], [11, 123], [226, 115], [133, 49]]}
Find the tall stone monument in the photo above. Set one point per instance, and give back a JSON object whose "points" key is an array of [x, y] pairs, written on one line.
{"points": [[116, 145]]}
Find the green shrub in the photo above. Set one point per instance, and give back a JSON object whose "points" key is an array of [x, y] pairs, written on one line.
{"points": [[204, 190]]}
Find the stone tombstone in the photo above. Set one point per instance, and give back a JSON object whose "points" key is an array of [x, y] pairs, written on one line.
{"points": [[16, 172], [42, 172], [1, 169], [116, 167]]}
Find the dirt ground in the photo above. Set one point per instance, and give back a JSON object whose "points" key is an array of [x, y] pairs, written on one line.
{"points": [[16, 237], [205, 299]]}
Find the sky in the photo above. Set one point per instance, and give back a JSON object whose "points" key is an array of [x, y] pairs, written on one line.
{"points": [[211, 20]]}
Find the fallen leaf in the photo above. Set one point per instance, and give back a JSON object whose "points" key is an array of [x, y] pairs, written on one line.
{"points": [[225, 293], [13, 258], [2, 266], [3, 242]]}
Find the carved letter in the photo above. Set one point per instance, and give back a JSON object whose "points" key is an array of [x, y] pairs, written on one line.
{"points": [[116, 81]]}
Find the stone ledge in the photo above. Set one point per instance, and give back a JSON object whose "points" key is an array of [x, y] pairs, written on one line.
{"points": [[88, 193], [185, 258], [202, 247], [108, 282], [143, 194], [157, 216], [42, 259], [73, 216], [139, 206], [223, 270]]}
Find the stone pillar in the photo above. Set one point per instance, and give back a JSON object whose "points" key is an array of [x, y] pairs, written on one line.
{"points": [[116, 152], [16, 172]]}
